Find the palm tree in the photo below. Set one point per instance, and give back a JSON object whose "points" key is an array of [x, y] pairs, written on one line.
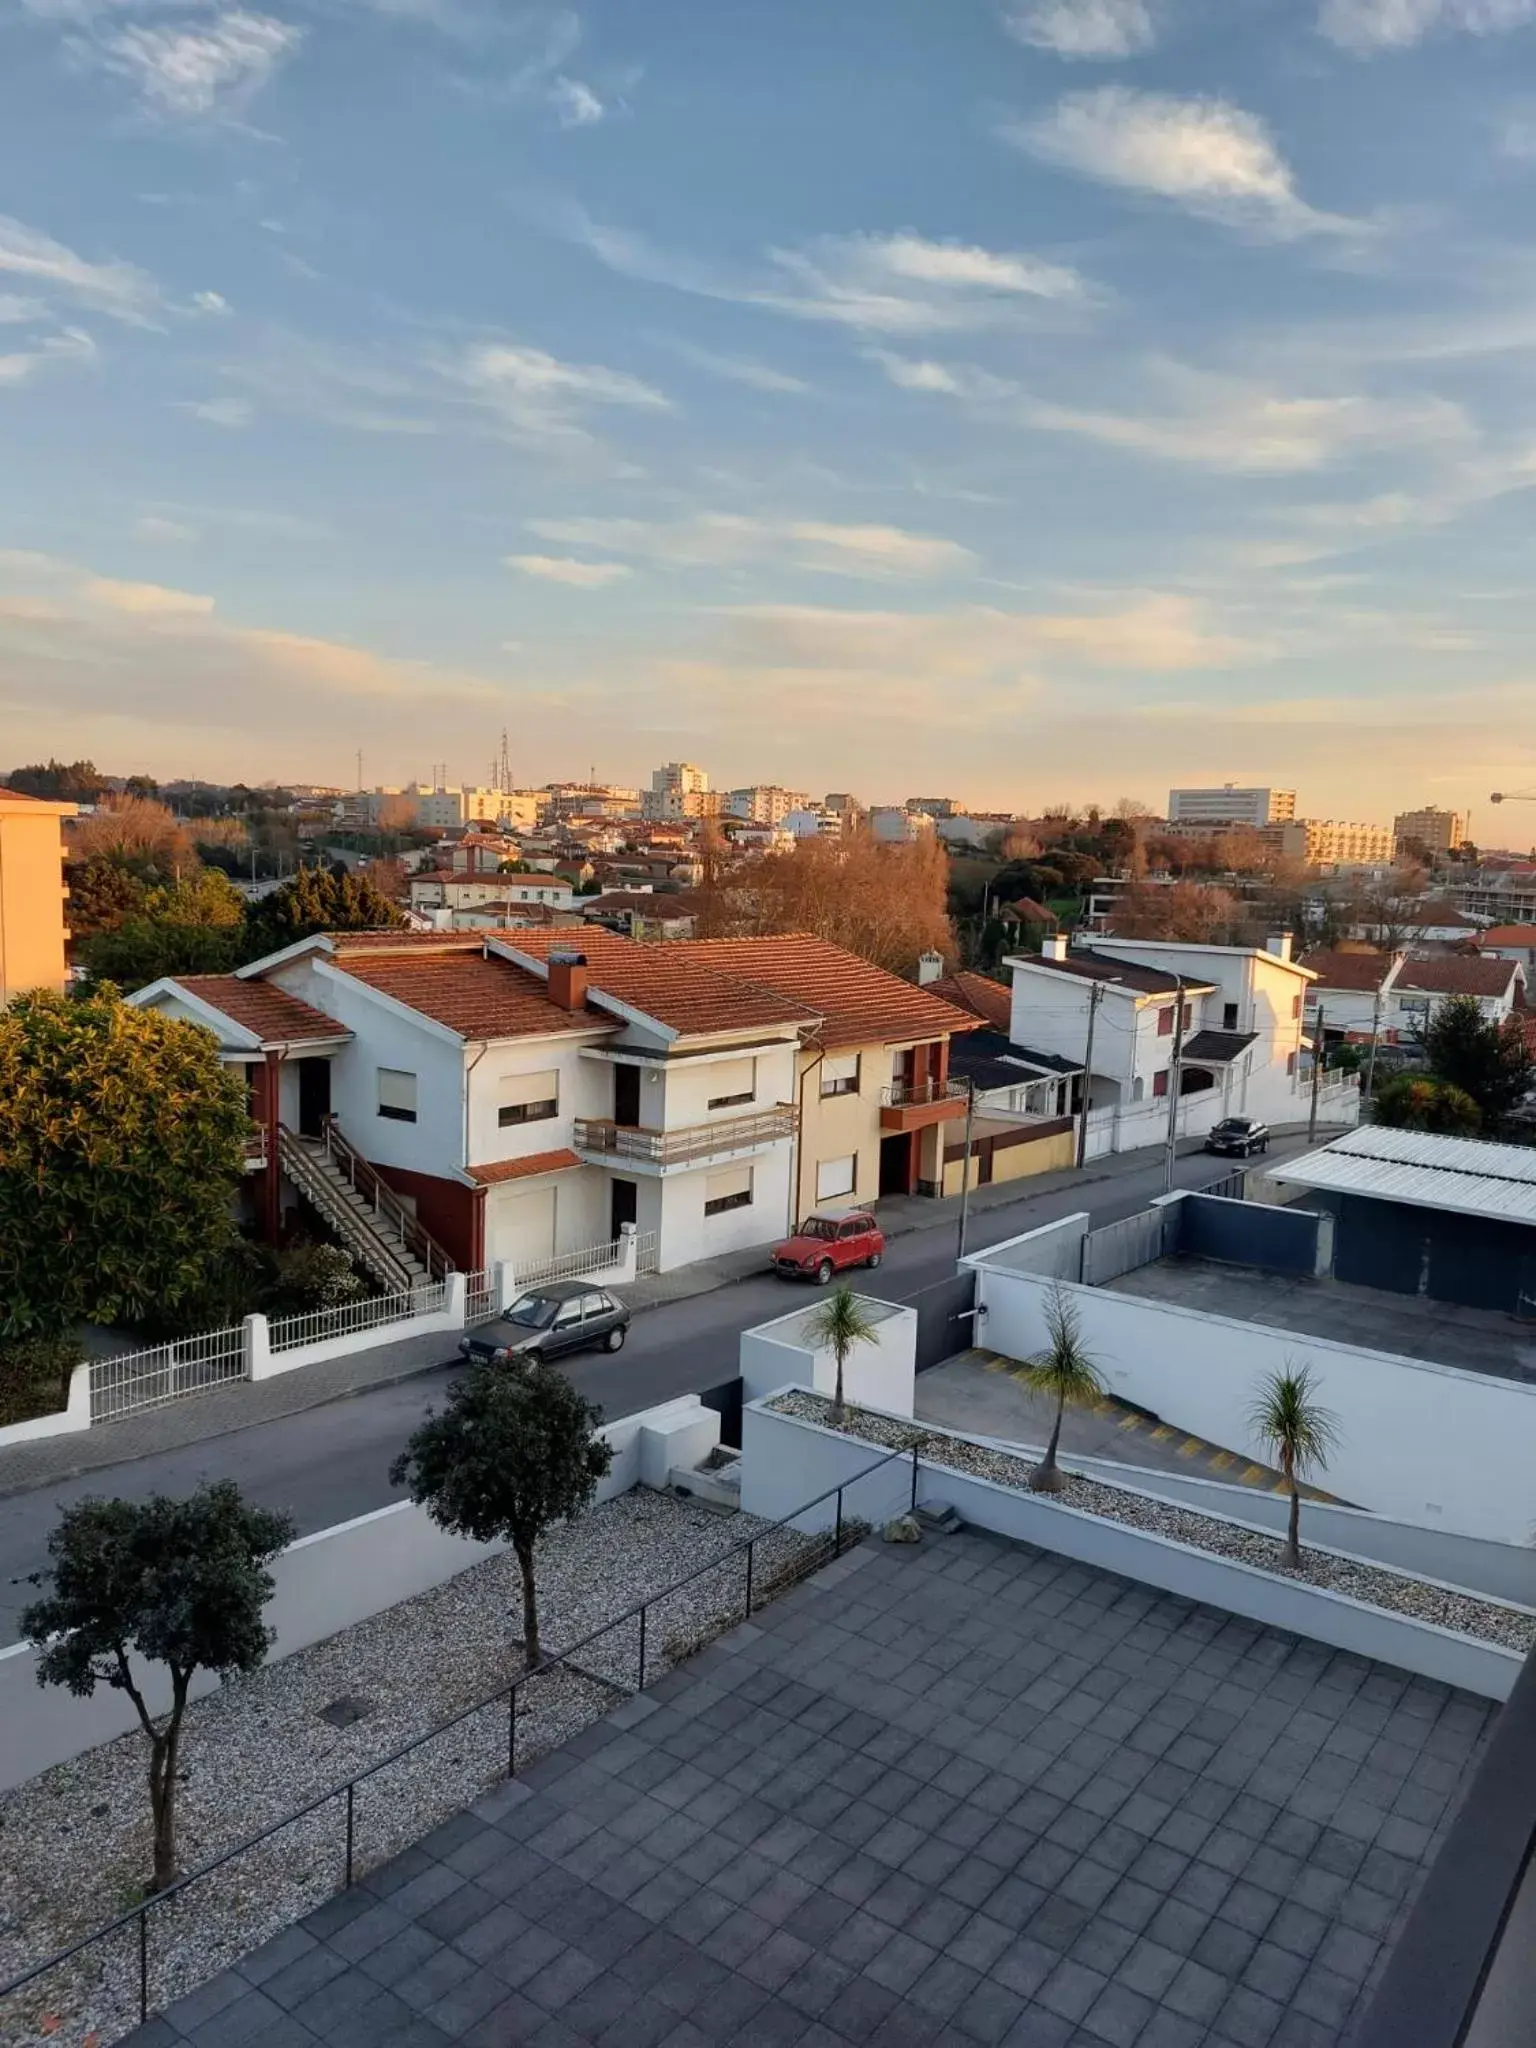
{"points": [[1299, 1431], [837, 1326], [1064, 1371]]}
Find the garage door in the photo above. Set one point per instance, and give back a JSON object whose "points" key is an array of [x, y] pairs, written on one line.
{"points": [[522, 1226]]}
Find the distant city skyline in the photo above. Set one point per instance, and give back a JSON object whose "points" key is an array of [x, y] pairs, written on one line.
{"points": [[1020, 395]]}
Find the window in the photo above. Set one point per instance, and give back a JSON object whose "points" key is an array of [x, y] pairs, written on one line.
{"points": [[1295, 1006], [1229, 1016], [840, 1074], [855, 1227], [397, 1095], [594, 1305], [729, 1190], [527, 1099], [733, 1082], [1165, 1023], [1160, 1083], [836, 1177]]}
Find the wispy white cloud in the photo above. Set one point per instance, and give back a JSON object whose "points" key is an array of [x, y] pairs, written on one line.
{"points": [[155, 526], [210, 302], [575, 105], [152, 599], [1098, 29], [747, 370], [1366, 26], [120, 290], [1206, 155], [220, 412], [537, 394], [726, 539], [198, 70], [71, 345], [567, 569], [896, 284]]}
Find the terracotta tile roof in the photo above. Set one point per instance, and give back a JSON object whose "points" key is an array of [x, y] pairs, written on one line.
{"points": [[1508, 935], [1348, 970], [276, 1017], [522, 1169], [400, 940], [474, 996], [1457, 974], [1147, 981], [676, 984], [991, 1001], [1439, 913], [860, 1004]]}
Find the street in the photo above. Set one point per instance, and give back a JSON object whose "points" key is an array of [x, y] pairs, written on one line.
{"points": [[329, 1464]]}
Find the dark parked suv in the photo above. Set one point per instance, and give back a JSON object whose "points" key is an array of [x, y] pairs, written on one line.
{"points": [[547, 1322], [1238, 1136]]}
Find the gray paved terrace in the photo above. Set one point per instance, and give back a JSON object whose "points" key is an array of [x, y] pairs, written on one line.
{"points": [[966, 1793], [1478, 1340]]}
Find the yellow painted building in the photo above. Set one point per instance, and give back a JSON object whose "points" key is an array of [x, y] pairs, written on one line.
{"points": [[32, 893]]}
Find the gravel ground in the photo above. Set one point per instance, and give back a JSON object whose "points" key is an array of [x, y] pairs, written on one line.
{"points": [[75, 1842], [1513, 1627]]}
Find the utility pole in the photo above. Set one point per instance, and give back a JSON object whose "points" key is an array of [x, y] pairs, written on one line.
{"points": [[1370, 1058], [965, 1184], [1317, 1073], [1175, 1076], [1095, 997]]}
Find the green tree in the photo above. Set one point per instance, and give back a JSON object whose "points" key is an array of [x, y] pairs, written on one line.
{"points": [[65, 782], [1486, 1060], [317, 900], [1417, 1102], [121, 1147], [514, 1451], [1299, 1432], [203, 897], [840, 1324], [102, 895], [175, 1582], [143, 949], [1064, 1372]]}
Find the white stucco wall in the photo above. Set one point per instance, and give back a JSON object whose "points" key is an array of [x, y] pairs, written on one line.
{"points": [[879, 1375], [1426, 1443], [686, 1233], [583, 1089]]}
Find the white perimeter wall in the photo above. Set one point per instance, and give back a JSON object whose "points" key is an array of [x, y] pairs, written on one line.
{"points": [[325, 1583], [879, 1375], [1425, 1443]]}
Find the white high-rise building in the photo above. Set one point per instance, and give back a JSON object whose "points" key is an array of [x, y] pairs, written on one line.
{"points": [[678, 790], [1231, 805], [765, 803]]}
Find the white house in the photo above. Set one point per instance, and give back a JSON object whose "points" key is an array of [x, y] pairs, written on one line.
{"points": [[1393, 995], [1242, 1032]]}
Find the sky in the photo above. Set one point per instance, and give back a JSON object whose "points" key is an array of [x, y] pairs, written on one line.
{"points": [[1023, 400]]}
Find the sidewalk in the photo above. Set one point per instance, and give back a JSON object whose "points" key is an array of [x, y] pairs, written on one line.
{"points": [[242, 1403]]}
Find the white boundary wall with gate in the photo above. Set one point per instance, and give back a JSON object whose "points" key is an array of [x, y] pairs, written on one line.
{"points": [[1424, 1443], [75, 1414], [781, 1452], [325, 1582]]}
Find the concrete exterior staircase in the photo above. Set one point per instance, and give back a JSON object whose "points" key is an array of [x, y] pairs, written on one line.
{"points": [[369, 1218]]}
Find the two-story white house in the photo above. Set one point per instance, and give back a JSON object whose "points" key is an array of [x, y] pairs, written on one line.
{"points": [[1239, 1044], [1392, 996], [522, 1094]]}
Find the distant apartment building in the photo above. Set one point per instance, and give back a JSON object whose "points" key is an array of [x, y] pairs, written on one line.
{"points": [[443, 810], [591, 800], [897, 826], [816, 822], [1231, 805], [32, 894], [934, 806], [1332, 843], [680, 790], [765, 803], [1436, 831]]}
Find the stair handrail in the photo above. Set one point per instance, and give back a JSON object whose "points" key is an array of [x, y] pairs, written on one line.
{"points": [[365, 1178], [366, 1244]]}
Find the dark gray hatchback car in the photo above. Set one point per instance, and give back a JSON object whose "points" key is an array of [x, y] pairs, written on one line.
{"points": [[547, 1322]]}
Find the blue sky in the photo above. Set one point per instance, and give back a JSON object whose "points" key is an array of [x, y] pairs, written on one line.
{"points": [[1020, 398]]}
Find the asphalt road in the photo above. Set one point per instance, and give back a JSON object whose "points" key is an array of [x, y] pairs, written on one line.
{"points": [[329, 1464]]}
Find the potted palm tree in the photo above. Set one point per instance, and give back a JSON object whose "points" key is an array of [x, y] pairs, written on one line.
{"points": [[1300, 1433], [837, 1326], [1064, 1372]]}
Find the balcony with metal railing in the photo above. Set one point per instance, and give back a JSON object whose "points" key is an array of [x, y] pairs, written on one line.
{"points": [[913, 1105], [602, 1142]]}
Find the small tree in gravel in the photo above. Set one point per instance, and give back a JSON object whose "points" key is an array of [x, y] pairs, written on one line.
{"points": [[838, 1325], [175, 1582], [514, 1452], [1064, 1372], [1299, 1431]]}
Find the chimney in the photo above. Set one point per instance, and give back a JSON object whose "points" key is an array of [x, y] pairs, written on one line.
{"points": [[930, 967], [568, 980], [1054, 946], [1279, 943]]}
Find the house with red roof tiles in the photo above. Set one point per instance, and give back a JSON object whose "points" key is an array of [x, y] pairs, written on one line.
{"points": [[1393, 995], [520, 1094]]}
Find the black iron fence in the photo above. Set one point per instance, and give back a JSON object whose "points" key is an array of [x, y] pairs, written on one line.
{"points": [[620, 1672]]}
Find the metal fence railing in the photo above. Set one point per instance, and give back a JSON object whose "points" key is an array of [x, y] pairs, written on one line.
{"points": [[647, 1255], [372, 1312], [135, 1380], [593, 1258], [620, 1656], [479, 1298]]}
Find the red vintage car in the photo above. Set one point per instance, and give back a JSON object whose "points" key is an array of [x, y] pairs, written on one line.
{"points": [[828, 1244]]}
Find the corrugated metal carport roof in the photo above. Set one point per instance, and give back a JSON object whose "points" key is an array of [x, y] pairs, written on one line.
{"points": [[1467, 1175]]}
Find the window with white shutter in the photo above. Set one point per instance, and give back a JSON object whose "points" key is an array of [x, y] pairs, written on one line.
{"points": [[397, 1095], [732, 1083], [527, 1098], [840, 1074], [731, 1189], [836, 1177]]}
